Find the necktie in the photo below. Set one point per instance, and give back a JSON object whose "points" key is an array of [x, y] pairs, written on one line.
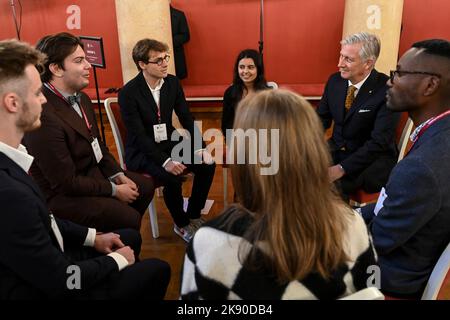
{"points": [[75, 98], [350, 97]]}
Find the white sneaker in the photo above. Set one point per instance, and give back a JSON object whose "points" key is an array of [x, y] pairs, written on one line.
{"points": [[187, 232], [197, 223]]}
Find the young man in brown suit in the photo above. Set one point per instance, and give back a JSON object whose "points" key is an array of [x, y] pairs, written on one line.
{"points": [[80, 178]]}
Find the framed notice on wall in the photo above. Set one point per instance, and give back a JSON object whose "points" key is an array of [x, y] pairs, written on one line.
{"points": [[93, 47]]}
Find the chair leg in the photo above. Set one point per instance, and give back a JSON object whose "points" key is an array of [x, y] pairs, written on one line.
{"points": [[225, 186], [153, 219]]}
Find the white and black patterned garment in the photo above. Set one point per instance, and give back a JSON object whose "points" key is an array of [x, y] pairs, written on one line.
{"points": [[212, 269]]}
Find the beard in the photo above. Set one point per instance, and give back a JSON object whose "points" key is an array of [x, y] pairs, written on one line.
{"points": [[27, 121]]}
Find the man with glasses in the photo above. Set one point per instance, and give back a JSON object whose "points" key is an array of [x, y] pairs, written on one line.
{"points": [[410, 223], [147, 103], [363, 140]]}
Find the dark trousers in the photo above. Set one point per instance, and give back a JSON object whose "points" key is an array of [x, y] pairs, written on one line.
{"points": [[147, 279], [173, 197], [105, 213]]}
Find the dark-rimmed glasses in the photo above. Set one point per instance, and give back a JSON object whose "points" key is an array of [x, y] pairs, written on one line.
{"points": [[394, 73], [160, 61]]}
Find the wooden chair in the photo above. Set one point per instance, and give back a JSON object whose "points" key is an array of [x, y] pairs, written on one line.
{"points": [[360, 198], [119, 132]]}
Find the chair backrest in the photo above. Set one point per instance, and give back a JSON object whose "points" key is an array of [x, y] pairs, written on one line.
{"points": [[370, 293], [439, 278], [272, 84], [117, 126], [404, 128]]}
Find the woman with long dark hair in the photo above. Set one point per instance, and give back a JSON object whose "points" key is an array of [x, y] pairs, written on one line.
{"points": [[248, 78]]}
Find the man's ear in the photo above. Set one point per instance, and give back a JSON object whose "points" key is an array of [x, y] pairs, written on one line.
{"points": [[370, 64], [142, 64], [432, 86], [56, 70], [11, 102]]}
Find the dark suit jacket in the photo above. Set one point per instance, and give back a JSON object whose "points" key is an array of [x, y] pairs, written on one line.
{"points": [[31, 262], [180, 35], [139, 113], [367, 131], [64, 160], [413, 228]]}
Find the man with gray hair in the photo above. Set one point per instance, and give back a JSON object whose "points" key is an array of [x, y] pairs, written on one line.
{"points": [[363, 139]]}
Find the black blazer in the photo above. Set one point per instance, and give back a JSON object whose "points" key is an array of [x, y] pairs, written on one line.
{"points": [[140, 113], [367, 131], [180, 35], [31, 262]]}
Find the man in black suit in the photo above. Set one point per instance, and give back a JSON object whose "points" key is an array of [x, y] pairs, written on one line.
{"points": [[180, 35], [363, 140], [42, 256], [147, 103]]}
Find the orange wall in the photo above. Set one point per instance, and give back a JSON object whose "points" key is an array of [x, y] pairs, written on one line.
{"points": [[301, 37], [41, 17]]}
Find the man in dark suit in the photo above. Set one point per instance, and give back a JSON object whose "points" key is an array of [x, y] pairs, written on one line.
{"points": [[363, 140], [80, 178], [147, 103], [410, 224], [180, 35], [41, 256]]}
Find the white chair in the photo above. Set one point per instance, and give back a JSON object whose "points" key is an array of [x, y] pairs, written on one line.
{"points": [[118, 129], [438, 276], [272, 84], [370, 293]]}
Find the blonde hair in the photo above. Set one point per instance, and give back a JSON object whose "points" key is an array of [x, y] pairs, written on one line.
{"points": [[297, 214]]}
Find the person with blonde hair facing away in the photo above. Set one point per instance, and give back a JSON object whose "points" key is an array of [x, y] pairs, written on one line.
{"points": [[289, 236]]}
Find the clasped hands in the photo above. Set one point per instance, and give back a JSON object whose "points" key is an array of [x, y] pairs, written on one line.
{"points": [[110, 242]]}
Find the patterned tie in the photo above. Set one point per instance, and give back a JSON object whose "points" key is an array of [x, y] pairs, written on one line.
{"points": [[350, 97], [75, 98]]}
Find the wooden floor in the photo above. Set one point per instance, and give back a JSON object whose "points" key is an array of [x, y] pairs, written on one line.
{"points": [[169, 246]]}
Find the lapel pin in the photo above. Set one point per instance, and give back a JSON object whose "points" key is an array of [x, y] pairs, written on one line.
{"points": [[370, 91]]}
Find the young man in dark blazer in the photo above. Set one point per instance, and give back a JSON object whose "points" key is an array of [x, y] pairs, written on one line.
{"points": [[363, 140], [42, 256], [410, 224], [80, 178], [147, 103]]}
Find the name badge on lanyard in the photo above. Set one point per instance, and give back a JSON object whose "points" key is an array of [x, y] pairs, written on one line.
{"points": [[97, 150], [160, 132]]}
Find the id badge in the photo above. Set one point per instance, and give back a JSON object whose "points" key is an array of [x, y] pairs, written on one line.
{"points": [[160, 132], [97, 151], [380, 202]]}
